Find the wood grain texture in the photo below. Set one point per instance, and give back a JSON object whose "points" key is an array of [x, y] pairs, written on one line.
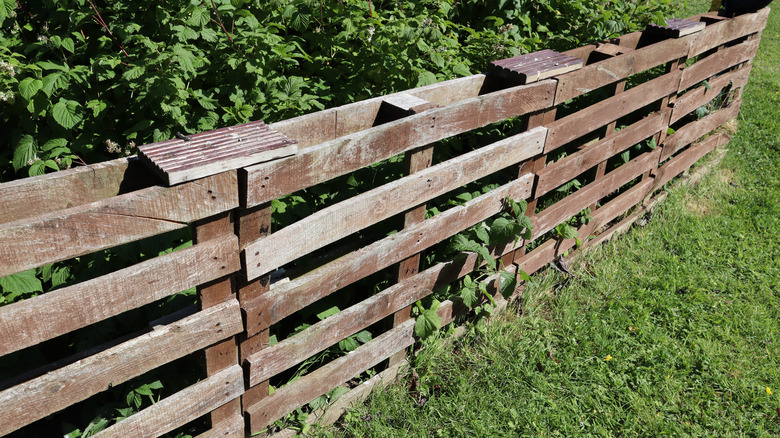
{"points": [[599, 74], [717, 62], [286, 298], [37, 398], [693, 131], [232, 427], [622, 203], [327, 377], [727, 30], [32, 321], [595, 116], [340, 220], [71, 188], [65, 234], [579, 200], [182, 407], [702, 95], [346, 154], [569, 167], [682, 162]]}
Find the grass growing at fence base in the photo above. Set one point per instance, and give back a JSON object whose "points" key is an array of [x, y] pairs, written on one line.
{"points": [[672, 329]]}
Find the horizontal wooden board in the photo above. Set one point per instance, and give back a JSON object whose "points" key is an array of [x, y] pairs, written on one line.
{"points": [[549, 250], [322, 380], [718, 62], [340, 220], [608, 71], [285, 298], [346, 154], [702, 95], [183, 407], [724, 31], [693, 131], [589, 194], [32, 321], [572, 165], [76, 231], [43, 194], [609, 110], [622, 203], [37, 398], [232, 427], [679, 164]]}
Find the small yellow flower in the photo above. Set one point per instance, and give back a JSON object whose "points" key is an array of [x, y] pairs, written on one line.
{"points": [[609, 358], [768, 390]]}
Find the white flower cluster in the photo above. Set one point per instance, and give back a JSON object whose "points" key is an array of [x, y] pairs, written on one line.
{"points": [[8, 68], [112, 146], [8, 97]]}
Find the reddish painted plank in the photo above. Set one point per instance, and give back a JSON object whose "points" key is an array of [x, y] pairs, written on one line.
{"points": [[717, 62], [699, 96], [692, 131]]}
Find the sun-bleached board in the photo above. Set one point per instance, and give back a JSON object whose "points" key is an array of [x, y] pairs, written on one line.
{"points": [[695, 130], [32, 321], [207, 153], [286, 298], [37, 398], [340, 220], [595, 116], [699, 96], [229, 428], [183, 407], [325, 161], [60, 235], [679, 164], [587, 195], [727, 30], [717, 62], [43, 194], [572, 165], [622, 203]]}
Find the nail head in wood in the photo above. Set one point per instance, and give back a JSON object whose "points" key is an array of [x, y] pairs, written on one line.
{"points": [[189, 157], [535, 66]]}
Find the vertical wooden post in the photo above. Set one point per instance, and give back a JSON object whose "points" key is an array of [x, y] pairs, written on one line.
{"points": [[253, 223], [223, 354]]}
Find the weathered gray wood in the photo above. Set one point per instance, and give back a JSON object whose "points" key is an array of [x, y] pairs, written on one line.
{"points": [[229, 428], [64, 234], [599, 74], [692, 131], [622, 203], [286, 298], [724, 31], [579, 200], [322, 380], [699, 96], [43, 194], [32, 321], [343, 155], [183, 407], [568, 168], [37, 398], [354, 214], [582, 122], [408, 104], [717, 62], [686, 159]]}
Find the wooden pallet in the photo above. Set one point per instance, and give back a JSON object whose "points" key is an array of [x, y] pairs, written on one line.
{"points": [[677, 27], [187, 158], [535, 66]]}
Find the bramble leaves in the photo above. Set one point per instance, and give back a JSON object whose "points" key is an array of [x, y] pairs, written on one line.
{"points": [[67, 113], [428, 322]]}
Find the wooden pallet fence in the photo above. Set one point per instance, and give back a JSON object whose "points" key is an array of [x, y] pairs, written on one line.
{"points": [[621, 135]]}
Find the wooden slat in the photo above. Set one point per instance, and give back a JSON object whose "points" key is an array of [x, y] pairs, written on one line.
{"points": [[686, 159], [182, 407], [724, 31], [322, 380], [343, 155], [532, 67], [718, 62], [286, 298], [32, 321], [354, 214], [70, 188], [677, 27], [582, 122], [699, 96], [568, 168], [35, 399], [65, 234], [229, 428], [577, 201], [622, 203], [692, 131], [599, 74]]}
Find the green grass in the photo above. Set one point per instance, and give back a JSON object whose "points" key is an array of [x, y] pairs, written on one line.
{"points": [[672, 329]]}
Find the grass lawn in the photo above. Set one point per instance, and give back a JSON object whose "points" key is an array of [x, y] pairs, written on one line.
{"points": [[673, 329]]}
